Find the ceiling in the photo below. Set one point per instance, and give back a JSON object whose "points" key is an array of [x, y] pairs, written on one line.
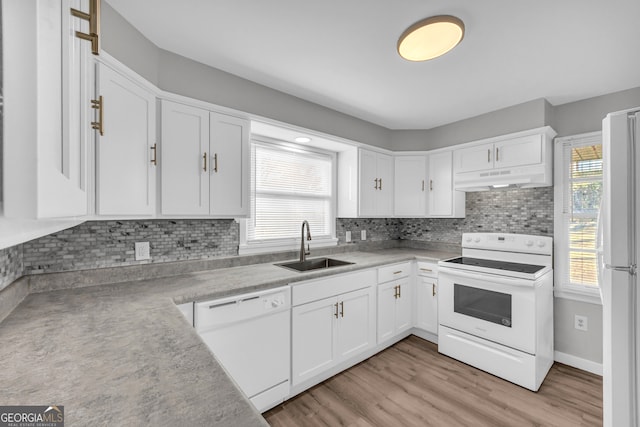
{"points": [[342, 54]]}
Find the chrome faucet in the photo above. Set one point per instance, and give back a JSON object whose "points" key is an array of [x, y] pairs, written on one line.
{"points": [[304, 253]]}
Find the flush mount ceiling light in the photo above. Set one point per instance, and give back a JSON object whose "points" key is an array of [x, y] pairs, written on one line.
{"points": [[430, 38], [302, 139]]}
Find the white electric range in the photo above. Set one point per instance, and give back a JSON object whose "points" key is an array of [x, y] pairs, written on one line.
{"points": [[496, 306]]}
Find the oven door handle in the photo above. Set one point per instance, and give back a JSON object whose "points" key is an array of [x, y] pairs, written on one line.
{"points": [[490, 277]]}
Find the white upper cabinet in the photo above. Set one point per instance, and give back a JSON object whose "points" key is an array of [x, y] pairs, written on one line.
{"points": [[443, 200], [520, 159], [526, 150], [521, 151], [126, 150], [410, 198], [184, 149], [229, 165], [204, 162], [365, 184], [47, 78]]}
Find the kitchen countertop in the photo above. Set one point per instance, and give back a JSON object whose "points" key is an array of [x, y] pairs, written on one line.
{"points": [[124, 354]]}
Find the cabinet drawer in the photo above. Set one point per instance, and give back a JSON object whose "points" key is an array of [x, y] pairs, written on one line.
{"points": [[427, 268], [393, 272], [313, 290]]}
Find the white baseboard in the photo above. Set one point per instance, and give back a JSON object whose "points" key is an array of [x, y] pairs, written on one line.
{"points": [[578, 362]]}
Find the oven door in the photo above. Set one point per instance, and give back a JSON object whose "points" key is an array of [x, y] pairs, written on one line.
{"points": [[498, 308]]}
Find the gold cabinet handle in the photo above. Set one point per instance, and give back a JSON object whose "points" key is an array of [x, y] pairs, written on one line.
{"points": [[336, 313], [380, 184], [204, 157], [397, 272], [154, 159], [395, 292], [488, 155], [215, 162], [342, 308], [428, 270], [423, 185], [497, 154], [433, 289], [399, 291], [376, 186], [430, 185], [98, 104], [94, 25]]}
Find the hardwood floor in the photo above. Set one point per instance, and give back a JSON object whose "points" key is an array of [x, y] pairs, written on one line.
{"points": [[411, 384]]}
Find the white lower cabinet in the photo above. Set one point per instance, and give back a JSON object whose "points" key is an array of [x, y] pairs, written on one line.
{"points": [[395, 296], [327, 331], [426, 298]]}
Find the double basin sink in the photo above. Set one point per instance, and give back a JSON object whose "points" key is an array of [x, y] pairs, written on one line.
{"points": [[313, 264]]}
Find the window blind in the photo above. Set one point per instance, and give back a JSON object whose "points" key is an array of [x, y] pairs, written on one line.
{"points": [[582, 192], [289, 185]]}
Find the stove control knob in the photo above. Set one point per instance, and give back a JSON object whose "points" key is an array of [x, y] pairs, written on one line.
{"points": [[529, 243], [540, 244], [477, 240]]}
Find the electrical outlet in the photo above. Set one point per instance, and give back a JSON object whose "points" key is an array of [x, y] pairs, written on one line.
{"points": [[363, 235], [581, 323], [347, 236], [142, 251]]}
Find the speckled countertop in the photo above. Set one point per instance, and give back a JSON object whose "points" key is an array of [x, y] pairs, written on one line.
{"points": [[123, 354]]}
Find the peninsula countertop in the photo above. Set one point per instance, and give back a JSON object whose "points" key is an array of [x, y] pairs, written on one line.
{"points": [[124, 354]]}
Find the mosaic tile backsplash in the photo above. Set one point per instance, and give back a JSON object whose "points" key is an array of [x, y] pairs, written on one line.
{"points": [[97, 244], [10, 265], [522, 211]]}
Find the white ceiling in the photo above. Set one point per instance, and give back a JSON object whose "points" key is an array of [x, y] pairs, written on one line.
{"points": [[342, 54]]}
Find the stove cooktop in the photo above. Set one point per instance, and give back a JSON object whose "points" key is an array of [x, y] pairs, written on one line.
{"points": [[496, 265]]}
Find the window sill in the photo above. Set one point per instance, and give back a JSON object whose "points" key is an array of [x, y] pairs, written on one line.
{"points": [[591, 298], [266, 247]]}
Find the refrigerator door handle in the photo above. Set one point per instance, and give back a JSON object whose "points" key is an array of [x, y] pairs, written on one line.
{"points": [[631, 269]]}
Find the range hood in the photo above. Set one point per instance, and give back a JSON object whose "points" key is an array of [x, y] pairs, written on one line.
{"points": [[531, 176], [523, 160]]}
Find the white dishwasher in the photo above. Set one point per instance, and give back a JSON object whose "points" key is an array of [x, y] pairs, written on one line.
{"points": [[250, 335]]}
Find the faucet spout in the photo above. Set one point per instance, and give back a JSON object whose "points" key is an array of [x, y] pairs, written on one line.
{"points": [[303, 253]]}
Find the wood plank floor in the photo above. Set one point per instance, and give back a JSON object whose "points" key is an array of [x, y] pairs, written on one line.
{"points": [[411, 384]]}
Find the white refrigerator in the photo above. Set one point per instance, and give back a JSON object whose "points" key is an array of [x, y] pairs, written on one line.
{"points": [[617, 268]]}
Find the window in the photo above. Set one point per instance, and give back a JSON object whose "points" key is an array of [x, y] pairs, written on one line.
{"points": [[578, 191], [289, 184]]}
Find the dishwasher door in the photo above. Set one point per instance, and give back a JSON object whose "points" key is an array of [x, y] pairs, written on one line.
{"points": [[250, 336]]}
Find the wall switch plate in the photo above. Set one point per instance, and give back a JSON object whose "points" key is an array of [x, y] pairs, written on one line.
{"points": [[142, 251], [581, 323], [363, 235], [347, 236]]}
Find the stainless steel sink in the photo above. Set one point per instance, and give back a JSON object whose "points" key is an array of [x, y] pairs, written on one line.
{"points": [[313, 264]]}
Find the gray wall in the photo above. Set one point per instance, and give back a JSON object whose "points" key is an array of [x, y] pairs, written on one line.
{"points": [[183, 76], [528, 115], [586, 115]]}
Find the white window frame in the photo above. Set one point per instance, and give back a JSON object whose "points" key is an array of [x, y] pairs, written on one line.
{"points": [[248, 247], [561, 238]]}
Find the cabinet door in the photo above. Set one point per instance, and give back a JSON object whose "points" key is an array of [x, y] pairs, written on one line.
{"points": [[184, 146], [478, 157], [229, 172], [440, 184], [427, 304], [368, 181], [386, 310], [356, 323], [410, 173], [526, 150], [404, 305], [384, 171], [125, 176], [313, 338]]}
